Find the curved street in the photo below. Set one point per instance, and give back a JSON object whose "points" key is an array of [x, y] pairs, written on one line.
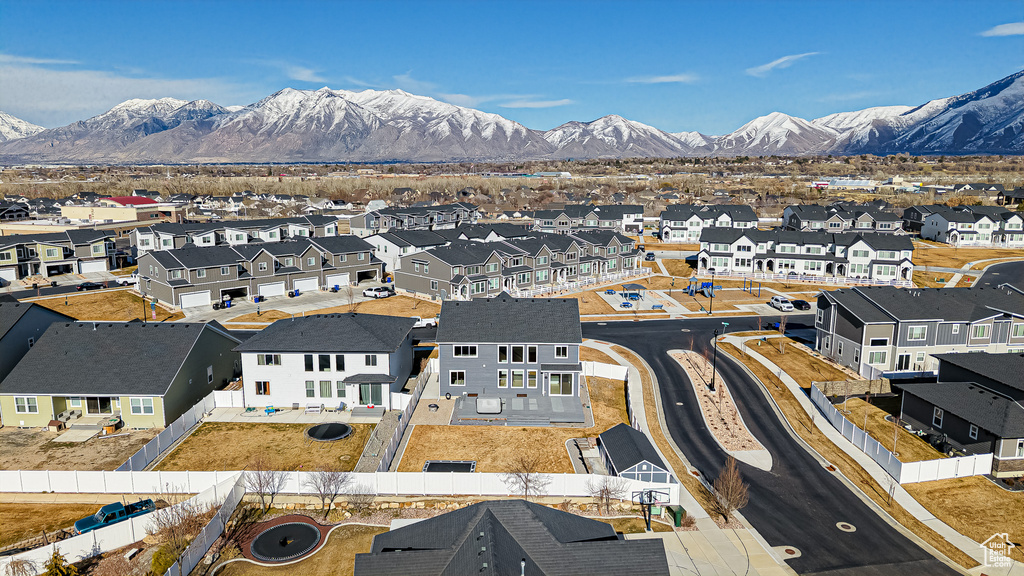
{"points": [[798, 503]]}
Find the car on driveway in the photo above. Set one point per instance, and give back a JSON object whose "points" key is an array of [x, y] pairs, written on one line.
{"points": [[425, 322], [781, 303], [801, 305], [378, 292], [88, 286], [649, 257]]}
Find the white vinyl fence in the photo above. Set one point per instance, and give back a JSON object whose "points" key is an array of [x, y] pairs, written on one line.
{"points": [[210, 533], [601, 370], [902, 472], [123, 533], [228, 399], [830, 280], [403, 420], [171, 434]]}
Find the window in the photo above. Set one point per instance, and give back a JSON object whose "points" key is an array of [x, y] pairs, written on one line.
{"points": [[502, 378], [209, 374], [426, 267], [309, 362], [917, 332], [827, 342], [973, 432], [464, 351], [325, 388], [542, 260], [493, 283], [31, 342], [26, 405], [325, 362], [518, 354], [225, 270], [201, 273], [878, 342], [492, 267], [517, 378], [339, 362], [341, 389], [1018, 330], [531, 379], [268, 359], [839, 347], [502, 353], [362, 256], [1020, 448], [433, 285], [531, 354], [263, 267], [821, 316], [956, 329], [311, 261], [876, 358], [560, 385], [457, 378], [561, 351], [371, 359], [980, 331], [310, 389], [262, 388], [142, 405], [937, 417], [920, 357], [289, 261], [174, 274]]}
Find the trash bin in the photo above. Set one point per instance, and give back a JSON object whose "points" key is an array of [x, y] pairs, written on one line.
{"points": [[53, 284], [677, 513], [35, 285], [227, 303]]}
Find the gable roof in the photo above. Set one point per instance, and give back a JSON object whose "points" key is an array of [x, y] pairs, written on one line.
{"points": [[78, 358], [628, 447], [1003, 368], [515, 531], [332, 333], [504, 319], [12, 312], [977, 404]]}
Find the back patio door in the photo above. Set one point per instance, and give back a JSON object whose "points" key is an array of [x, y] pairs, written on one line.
{"points": [[370, 394], [101, 405]]}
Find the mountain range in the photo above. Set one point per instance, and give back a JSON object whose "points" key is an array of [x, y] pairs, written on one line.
{"points": [[380, 126]]}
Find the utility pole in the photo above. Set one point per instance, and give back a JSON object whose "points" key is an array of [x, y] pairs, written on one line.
{"points": [[714, 362]]}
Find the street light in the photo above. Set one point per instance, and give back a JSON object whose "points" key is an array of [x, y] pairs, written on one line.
{"points": [[714, 362], [711, 304]]}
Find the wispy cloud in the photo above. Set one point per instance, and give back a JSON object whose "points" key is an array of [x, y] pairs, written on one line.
{"points": [[670, 79], [294, 71], [536, 103], [409, 84], [1011, 29], [12, 59], [784, 62]]}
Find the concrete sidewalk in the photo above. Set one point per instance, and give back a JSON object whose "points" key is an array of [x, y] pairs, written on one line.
{"points": [[878, 474]]}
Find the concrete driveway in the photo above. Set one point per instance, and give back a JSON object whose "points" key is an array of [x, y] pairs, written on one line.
{"points": [[304, 303]]}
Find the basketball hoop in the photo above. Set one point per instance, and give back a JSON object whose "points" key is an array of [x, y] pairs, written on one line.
{"points": [[647, 499]]}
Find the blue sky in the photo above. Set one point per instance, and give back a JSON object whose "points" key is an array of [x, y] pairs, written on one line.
{"points": [[707, 66]]}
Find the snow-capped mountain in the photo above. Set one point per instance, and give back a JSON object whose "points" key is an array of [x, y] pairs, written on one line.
{"points": [[337, 125], [12, 128]]}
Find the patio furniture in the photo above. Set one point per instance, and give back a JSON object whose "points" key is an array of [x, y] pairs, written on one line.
{"points": [[432, 407], [269, 410], [609, 291], [314, 409]]}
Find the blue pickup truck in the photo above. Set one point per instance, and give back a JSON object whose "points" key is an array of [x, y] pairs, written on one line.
{"points": [[112, 514]]}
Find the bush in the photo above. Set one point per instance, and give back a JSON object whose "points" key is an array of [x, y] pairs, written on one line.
{"points": [[163, 559]]}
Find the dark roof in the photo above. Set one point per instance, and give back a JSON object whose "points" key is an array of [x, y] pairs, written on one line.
{"points": [[346, 244], [332, 333], [977, 404], [504, 319], [627, 447], [369, 379], [948, 304], [106, 358], [495, 537], [11, 312], [1006, 369]]}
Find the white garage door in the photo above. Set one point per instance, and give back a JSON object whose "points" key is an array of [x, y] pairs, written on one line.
{"points": [[92, 266], [8, 274], [193, 299], [307, 284], [275, 289], [337, 280]]}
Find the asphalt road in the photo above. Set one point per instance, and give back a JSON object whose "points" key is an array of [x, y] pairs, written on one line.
{"points": [[798, 503], [1010, 272]]}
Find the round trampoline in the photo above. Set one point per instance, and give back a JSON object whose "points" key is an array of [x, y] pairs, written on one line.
{"points": [[329, 432], [285, 542]]}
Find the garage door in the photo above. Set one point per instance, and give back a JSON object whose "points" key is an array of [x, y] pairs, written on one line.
{"points": [[92, 266], [337, 280], [193, 299], [8, 275], [274, 289], [307, 284]]}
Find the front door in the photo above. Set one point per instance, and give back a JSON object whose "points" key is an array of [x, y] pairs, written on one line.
{"points": [[902, 362], [370, 394], [101, 405]]}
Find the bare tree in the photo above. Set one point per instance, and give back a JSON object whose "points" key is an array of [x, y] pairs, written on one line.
{"points": [[608, 489], [177, 524], [328, 482], [350, 293], [360, 497], [21, 567], [264, 482], [525, 477], [782, 324], [730, 490]]}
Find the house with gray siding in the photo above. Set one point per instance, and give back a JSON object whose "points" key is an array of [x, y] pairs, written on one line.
{"points": [[439, 217], [147, 374], [328, 360], [686, 222], [515, 357], [169, 236], [976, 406], [56, 253], [889, 331], [629, 453], [622, 218]]}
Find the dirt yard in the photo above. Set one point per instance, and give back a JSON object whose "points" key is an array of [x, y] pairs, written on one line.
{"points": [[950, 257], [796, 362], [677, 268], [33, 450], [21, 521], [909, 447], [263, 316], [494, 447], [336, 558], [931, 279], [231, 445], [113, 305], [588, 354], [393, 306]]}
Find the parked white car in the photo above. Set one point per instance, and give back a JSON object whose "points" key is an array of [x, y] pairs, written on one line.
{"points": [[378, 292], [424, 322], [780, 303]]}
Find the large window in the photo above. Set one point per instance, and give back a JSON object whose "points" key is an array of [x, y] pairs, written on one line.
{"points": [[561, 351], [325, 388], [502, 353], [531, 379], [531, 354], [457, 378], [1018, 330], [310, 389], [341, 389], [308, 358], [268, 359], [26, 405], [142, 405], [561, 384], [517, 378], [339, 362], [262, 388], [917, 332], [980, 331], [464, 351], [876, 358], [518, 354]]}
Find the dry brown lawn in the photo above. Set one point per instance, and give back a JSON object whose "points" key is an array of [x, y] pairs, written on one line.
{"points": [[802, 425], [336, 558], [909, 447], [635, 525], [22, 521], [112, 305], [965, 281], [950, 257], [126, 271], [231, 446], [678, 268], [494, 447], [931, 279], [803, 367], [667, 246], [263, 316], [653, 266], [34, 450], [973, 506], [393, 306], [588, 354]]}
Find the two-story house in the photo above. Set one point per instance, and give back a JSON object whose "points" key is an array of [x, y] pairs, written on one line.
{"points": [[439, 217], [886, 330], [168, 236], [685, 222], [840, 218], [52, 254], [328, 360], [514, 357]]}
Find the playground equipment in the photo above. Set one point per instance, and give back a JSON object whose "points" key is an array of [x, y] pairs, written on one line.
{"points": [[748, 286]]}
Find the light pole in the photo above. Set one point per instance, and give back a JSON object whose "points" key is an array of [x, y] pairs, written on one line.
{"points": [[711, 304], [714, 362]]}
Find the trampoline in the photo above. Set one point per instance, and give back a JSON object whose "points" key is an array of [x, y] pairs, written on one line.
{"points": [[450, 466], [285, 542], [328, 432]]}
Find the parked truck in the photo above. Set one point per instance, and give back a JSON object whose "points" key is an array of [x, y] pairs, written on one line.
{"points": [[112, 514]]}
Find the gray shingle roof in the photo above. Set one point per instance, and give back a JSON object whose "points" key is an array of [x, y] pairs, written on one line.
{"points": [[504, 319], [628, 447], [976, 404], [949, 304], [1006, 369], [105, 358], [332, 333], [496, 537]]}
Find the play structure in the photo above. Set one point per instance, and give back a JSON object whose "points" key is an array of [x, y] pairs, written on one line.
{"points": [[706, 289], [748, 286], [285, 542], [328, 432]]}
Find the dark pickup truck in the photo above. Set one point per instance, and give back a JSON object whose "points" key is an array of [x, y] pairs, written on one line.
{"points": [[112, 514]]}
